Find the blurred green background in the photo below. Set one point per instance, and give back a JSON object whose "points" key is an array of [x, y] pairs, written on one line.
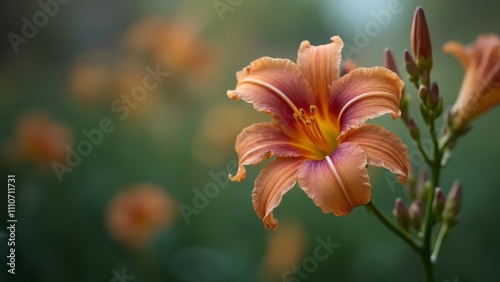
{"points": [[90, 52]]}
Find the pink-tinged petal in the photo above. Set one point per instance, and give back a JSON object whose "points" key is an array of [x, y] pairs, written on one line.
{"points": [[363, 94], [277, 178], [486, 53], [458, 50], [320, 65], [259, 142], [275, 86], [338, 183], [383, 148]]}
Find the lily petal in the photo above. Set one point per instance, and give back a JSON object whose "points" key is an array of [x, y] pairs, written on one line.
{"points": [[486, 52], [458, 50], [275, 86], [320, 65], [363, 94], [383, 148], [338, 183], [277, 178], [481, 85], [259, 142]]}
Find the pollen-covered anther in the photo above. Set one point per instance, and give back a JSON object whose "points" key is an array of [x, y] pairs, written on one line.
{"points": [[307, 119], [311, 128], [312, 109]]}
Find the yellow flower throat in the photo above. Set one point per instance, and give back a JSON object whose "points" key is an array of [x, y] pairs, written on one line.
{"points": [[316, 135]]}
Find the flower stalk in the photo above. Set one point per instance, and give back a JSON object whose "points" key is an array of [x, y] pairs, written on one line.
{"points": [[424, 213]]}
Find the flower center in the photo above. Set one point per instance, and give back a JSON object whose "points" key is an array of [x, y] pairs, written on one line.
{"points": [[315, 134]]}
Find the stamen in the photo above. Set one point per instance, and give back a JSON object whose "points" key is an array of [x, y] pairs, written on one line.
{"points": [[303, 114], [317, 129], [313, 109], [311, 128]]}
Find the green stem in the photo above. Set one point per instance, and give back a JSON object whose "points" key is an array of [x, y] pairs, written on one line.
{"points": [[429, 216], [424, 153], [445, 140], [439, 242], [428, 266], [394, 228]]}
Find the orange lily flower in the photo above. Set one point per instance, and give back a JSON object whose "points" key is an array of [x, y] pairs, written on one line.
{"points": [[318, 132], [480, 89]]}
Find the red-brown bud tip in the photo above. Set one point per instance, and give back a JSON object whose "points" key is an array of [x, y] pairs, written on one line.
{"points": [[452, 205], [423, 178], [421, 41], [433, 99], [438, 203], [411, 68], [401, 214], [423, 92], [389, 61], [416, 213], [414, 131]]}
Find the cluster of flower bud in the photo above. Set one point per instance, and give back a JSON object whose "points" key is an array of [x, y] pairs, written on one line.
{"points": [[445, 210]]}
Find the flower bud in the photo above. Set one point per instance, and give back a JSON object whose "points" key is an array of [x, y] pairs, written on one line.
{"points": [[414, 131], [423, 177], [401, 214], [389, 61], [416, 213], [438, 203], [421, 41], [434, 89], [425, 113], [423, 92], [411, 68], [439, 108], [433, 97], [452, 206], [426, 191], [404, 107]]}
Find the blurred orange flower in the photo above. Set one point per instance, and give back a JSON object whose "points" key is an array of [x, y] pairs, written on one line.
{"points": [[138, 213], [90, 77], [480, 89], [40, 139], [318, 135], [285, 248], [174, 43]]}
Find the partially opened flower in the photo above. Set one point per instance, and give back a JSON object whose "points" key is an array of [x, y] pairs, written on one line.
{"points": [[480, 89], [318, 134]]}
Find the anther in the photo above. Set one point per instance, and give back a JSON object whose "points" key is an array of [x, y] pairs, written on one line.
{"points": [[313, 109]]}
